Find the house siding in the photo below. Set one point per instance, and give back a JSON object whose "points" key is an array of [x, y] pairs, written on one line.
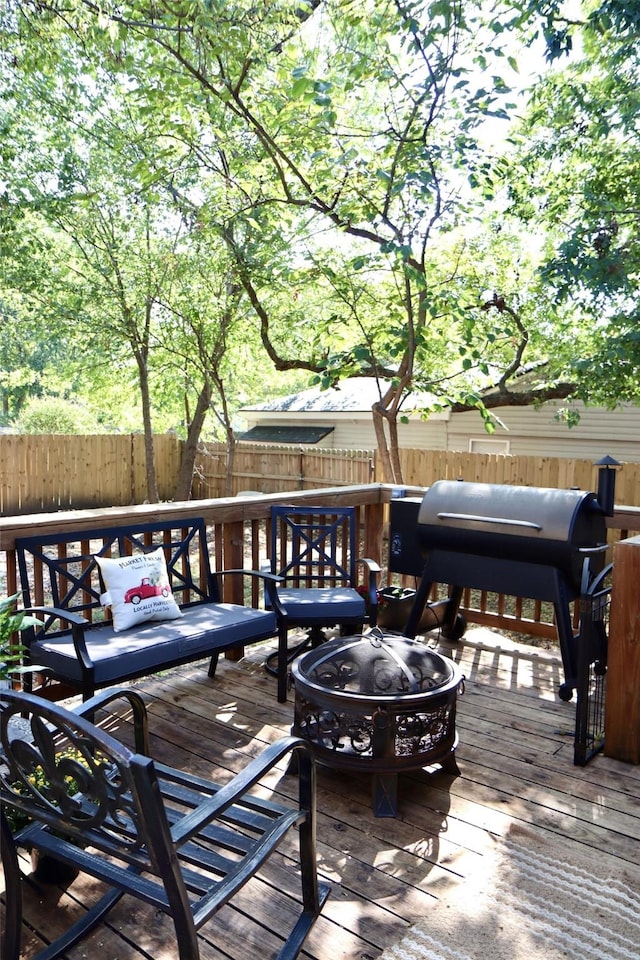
{"points": [[357, 433], [530, 431], [534, 432]]}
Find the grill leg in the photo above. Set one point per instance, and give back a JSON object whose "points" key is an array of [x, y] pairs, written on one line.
{"points": [[567, 638], [418, 606]]}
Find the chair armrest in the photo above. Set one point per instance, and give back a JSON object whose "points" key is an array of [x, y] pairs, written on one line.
{"points": [[247, 778], [57, 613], [262, 574], [140, 720], [78, 625], [271, 581], [373, 569]]}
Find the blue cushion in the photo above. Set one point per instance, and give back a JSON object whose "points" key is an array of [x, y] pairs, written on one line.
{"points": [[203, 629], [322, 605]]}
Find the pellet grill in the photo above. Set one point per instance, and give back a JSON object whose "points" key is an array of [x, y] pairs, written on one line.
{"points": [[541, 543]]}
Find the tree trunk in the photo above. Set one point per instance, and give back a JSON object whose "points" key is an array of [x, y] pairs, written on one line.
{"points": [[153, 494], [231, 460], [387, 447], [190, 448]]}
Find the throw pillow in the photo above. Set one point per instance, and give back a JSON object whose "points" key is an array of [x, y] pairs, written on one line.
{"points": [[137, 589]]}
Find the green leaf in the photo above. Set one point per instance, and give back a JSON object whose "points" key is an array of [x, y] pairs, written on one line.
{"points": [[300, 87]]}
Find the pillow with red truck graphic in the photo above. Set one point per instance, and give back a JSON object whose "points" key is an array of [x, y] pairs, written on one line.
{"points": [[137, 589]]}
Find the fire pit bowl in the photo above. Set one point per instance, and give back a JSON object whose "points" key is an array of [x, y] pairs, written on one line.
{"points": [[377, 703]]}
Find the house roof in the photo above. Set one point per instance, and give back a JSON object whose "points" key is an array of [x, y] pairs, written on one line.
{"points": [[349, 396], [280, 434]]}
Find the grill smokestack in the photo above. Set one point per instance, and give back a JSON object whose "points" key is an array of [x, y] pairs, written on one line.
{"points": [[607, 484]]}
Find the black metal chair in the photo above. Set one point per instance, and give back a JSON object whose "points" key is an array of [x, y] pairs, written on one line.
{"points": [[313, 550], [171, 839]]}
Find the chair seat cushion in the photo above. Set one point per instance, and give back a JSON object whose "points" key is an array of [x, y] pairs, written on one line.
{"points": [[203, 629], [322, 605]]}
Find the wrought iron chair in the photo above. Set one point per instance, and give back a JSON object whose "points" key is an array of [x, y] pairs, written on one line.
{"points": [[313, 550], [173, 840]]}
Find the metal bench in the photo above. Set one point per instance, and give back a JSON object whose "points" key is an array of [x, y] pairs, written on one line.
{"points": [[79, 643], [171, 839]]}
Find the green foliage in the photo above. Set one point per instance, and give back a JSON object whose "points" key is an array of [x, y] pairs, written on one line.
{"points": [[39, 783], [232, 189], [12, 622], [56, 415], [580, 177]]}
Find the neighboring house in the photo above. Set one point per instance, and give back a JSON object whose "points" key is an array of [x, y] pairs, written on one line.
{"points": [[341, 418]]}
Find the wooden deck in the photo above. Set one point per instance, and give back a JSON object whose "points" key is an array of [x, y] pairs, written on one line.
{"points": [[516, 767]]}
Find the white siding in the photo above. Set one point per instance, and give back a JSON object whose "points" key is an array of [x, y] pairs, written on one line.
{"points": [[534, 432], [531, 431], [355, 432]]}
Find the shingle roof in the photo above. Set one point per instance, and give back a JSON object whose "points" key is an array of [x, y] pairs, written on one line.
{"points": [[357, 394]]}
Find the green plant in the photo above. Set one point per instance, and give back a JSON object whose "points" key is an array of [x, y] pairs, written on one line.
{"points": [[12, 622], [39, 781]]}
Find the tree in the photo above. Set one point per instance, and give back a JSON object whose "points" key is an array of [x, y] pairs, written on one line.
{"points": [[579, 161], [335, 148], [149, 277], [358, 121], [55, 415]]}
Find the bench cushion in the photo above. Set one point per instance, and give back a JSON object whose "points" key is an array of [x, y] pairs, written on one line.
{"points": [[150, 646]]}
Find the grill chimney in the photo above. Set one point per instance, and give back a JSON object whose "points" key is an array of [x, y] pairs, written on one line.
{"points": [[607, 484]]}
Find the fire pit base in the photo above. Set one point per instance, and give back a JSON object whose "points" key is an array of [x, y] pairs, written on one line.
{"points": [[377, 703], [384, 786]]}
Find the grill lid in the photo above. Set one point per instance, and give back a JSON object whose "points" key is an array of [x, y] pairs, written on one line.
{"points": [[508, 511]]}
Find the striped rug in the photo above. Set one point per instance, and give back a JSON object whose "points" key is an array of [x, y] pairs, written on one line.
{"points": [[528, 905]]}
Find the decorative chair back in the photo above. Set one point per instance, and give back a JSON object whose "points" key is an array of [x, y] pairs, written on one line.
{"points": [[314, 544], [314, 550]]}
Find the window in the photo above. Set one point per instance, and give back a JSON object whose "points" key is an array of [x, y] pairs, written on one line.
{"points": [[488, 445]]}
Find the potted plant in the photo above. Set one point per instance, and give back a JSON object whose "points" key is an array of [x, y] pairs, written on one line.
{"points": [[45, 867], [396, 606], [12, 622]]}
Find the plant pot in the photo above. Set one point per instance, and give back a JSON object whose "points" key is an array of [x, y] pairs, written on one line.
{"points": [[397, 605], [48, 869]]}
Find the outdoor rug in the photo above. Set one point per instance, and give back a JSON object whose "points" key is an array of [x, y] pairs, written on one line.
{"points": [[531, 904]]}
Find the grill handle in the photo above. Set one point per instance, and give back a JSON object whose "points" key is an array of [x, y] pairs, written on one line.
{"points": [[499, 521], [600, 548]]}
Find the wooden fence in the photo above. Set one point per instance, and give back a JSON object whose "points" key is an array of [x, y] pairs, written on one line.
{"points": [[277, 469], [40, 474]]}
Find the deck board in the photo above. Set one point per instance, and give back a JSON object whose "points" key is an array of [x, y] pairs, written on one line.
{"points": [[516, 767]]}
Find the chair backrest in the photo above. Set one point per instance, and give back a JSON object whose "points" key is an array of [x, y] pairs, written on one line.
{"points": [[311, 545], [74, 777], [59, 569]]}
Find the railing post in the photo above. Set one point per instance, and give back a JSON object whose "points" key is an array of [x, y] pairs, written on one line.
{"points": [[622, 708], [233, 586], [373, 531]]}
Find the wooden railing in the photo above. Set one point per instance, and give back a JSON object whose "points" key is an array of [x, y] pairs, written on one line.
{"points": [[238, 529]]}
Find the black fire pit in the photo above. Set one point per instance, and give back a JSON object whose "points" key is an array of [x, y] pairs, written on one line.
{"points": [[376, 703]]}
